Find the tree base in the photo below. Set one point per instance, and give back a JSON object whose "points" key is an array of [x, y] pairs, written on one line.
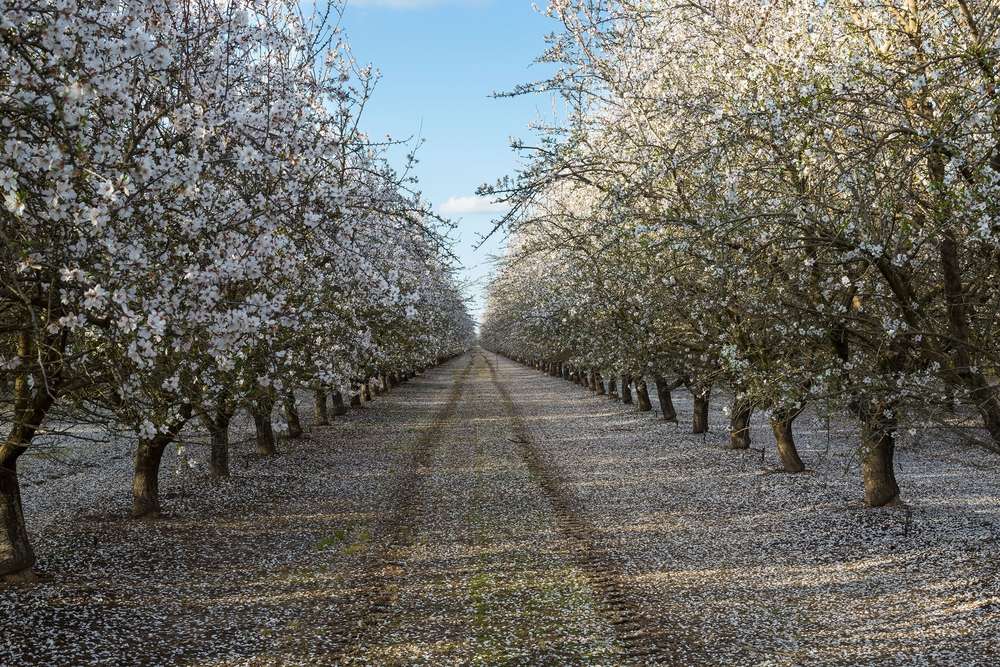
{"points": [[26, 576]]}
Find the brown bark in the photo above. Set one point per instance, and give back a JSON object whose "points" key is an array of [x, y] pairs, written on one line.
{"points": [[218, 430], [700, 422], [627, 389], [339, 409], [366, 392], [261, 412], [31, 405], [292, 417], [16, 554], [375, 390], [320, 410], [355, 399], [642, 395], [613, 387], [599, 384], [393, 381], [781, 424], [663, 391], [878, 446], [739, 424], [146, 479]]}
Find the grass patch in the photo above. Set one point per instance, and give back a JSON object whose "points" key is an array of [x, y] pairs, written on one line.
{"points": [[338, 536]]}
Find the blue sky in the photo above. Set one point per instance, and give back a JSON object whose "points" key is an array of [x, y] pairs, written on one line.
{"points": [[440, 61]]}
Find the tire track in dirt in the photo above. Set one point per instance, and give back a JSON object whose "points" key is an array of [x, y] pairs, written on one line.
{"points": [[645, 637], [383, 567]]}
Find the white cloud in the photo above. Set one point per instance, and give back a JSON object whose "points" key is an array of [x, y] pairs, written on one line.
{"points": [[412, 4], [471, 206]]}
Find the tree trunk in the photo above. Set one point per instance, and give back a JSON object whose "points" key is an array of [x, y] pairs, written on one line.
{"points": [[366, 392], [642, 395], [384, 385], [218, 430], [599, 384], [700, 424], [878, 446], [146, 481], [220, 453], [376, 391], [393, 381], [627, 389], [292, 417], [16, 555], [356, 399], [321, 417], [781, 424], [613, 387], [663, 391], [31, 405], [339, 410], [739, 423], [261, 411]]}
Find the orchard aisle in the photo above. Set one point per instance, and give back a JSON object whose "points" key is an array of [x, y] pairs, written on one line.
{"points": [[486, 578]]}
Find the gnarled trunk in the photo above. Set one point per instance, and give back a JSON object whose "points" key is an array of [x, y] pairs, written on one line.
{"points": [[642, 395], [261, 412], [339, 409], [878, 445], [599, 384], [613, 387], [292, 417], [320, 410], [146, 480], [16, 555], [31, 405], [700, 422], [218, 430], [739, 424], [663, 391], [366, 392], [627, 389], [781, 424]]}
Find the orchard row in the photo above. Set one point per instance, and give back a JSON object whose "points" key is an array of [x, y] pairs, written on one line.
{"points": [[797, 200], [193, 224]]}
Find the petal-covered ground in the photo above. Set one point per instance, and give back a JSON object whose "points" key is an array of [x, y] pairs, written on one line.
{"points": [[485, 514]]}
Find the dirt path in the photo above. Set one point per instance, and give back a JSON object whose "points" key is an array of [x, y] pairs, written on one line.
{"points": [[482, 514]]}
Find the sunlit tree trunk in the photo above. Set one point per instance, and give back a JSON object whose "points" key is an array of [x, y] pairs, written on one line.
{"points": [[642, 395], [781, 424], [739, 424], [627, 389], [663, 393]]}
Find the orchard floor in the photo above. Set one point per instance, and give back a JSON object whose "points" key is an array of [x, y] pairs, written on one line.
{"points": [[483, 514]]}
